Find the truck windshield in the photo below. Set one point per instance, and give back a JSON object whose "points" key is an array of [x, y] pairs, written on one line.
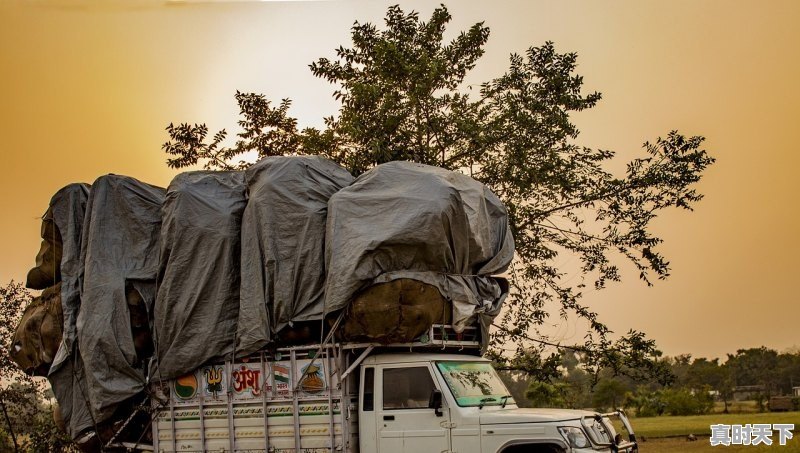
{"points": [[475, 384]]}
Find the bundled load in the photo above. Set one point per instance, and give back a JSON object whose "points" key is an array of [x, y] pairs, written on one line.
{"points": [[47, 271], [407, 221], [119, 252], [228, 263], [38, 336], [197, 304], [58, 263], [58, 270], [283, 246]]}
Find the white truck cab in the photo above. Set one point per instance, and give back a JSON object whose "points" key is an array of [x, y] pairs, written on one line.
{"points": [[436, 396], [430, 402]]}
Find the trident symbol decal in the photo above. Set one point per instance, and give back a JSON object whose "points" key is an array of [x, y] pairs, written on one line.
{"points": [[214, 380]]}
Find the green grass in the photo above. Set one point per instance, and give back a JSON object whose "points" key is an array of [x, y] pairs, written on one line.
{"points": [[699, 425], [680, 445]]}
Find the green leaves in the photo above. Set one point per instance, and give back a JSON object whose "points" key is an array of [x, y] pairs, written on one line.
{"points": [[398, 89], [402, 95], [22, 397]]}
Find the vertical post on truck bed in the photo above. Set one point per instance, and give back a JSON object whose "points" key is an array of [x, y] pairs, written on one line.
{"points": [[330, 398], [231, 428], [344, 407], [154, 416], [172, 418], [264, 399], [295, 403], [202, 416]]}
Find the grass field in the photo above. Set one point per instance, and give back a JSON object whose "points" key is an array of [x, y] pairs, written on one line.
{"points": [[680, 445], [668, 434]]}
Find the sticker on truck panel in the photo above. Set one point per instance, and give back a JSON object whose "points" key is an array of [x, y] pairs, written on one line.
{"points": [[283, 377], [186, 387], [247, 381], [214, 382], [313, 377]]}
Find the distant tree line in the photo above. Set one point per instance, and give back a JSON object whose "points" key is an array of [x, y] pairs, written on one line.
{"points": [[680, 385]]}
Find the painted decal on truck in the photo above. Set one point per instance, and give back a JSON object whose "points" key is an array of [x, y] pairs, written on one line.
{"points": [[186, 387], [214, 382], [283, 377], [247, 381]]}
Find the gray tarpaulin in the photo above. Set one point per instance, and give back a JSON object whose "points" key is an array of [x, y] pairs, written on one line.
{"points": [[407, 220], [67, 208], [119, 248], [198, 284], [283, 244]]}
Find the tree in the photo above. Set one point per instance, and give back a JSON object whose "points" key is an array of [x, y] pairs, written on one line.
{"points": [[16, 387], [609, 393], [26, 420], [788, 371], [755, 366], [709, 373], [403, 97], [544, 394]]}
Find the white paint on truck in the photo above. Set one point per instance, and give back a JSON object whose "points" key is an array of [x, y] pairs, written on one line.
{"points": [[302, 400]]}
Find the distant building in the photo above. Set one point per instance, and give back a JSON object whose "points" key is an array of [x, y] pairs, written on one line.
{"points": [[796, 391], [747, 392]]}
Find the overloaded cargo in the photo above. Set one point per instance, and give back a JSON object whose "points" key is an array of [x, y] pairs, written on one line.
{"points": [[119, 250], [194, 318], [157, 284], [37, 338], [403, 220], [283, 246]]}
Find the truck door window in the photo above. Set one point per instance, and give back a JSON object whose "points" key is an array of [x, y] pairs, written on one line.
{"points": [[406, 388], [369, 389]]}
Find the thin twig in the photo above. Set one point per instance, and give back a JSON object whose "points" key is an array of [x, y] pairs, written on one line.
{"points": [[10, 428]]}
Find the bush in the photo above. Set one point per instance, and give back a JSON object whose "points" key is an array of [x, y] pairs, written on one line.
{"points": [[672, 401], [683, 401]]}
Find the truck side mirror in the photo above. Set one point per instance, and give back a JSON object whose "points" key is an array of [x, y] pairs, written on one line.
{"points": [[435, 402]]}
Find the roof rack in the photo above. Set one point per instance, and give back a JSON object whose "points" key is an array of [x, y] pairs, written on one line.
{"points": [[438, 335]]}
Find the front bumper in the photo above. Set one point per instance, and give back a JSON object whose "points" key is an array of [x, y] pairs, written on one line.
{"points": [[618, 444]]}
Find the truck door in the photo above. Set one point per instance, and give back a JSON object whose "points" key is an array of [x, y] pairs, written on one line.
{"points": [[404, 421]]}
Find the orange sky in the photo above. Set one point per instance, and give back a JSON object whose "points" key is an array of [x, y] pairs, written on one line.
{"points": [[87, 87]]}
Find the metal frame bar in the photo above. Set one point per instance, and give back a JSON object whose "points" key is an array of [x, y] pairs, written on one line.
{"points": [[202, 414], [330, 398], [231, 425], [264, 401], [172, 418], [344, 405], [358, 361], [295, 403]]}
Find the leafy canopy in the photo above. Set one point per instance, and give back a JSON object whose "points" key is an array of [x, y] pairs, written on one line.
{"points": [[402, 97]]}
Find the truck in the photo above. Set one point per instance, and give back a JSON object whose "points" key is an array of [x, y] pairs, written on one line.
{"points": [[436, 394]]}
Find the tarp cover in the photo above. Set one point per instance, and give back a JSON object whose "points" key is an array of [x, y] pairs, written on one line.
{"points": [[408, 220], [198, 284], [67, 209], [283, 245], [119, 250]]}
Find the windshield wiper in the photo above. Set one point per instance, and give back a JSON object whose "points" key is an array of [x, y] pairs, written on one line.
{"points": [[484, 401], [505, 400]]}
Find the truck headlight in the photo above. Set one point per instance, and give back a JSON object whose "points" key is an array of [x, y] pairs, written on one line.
{"points": [[574, 436]]}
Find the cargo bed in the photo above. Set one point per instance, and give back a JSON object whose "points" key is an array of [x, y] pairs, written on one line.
{"points": [[308, 393]]}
